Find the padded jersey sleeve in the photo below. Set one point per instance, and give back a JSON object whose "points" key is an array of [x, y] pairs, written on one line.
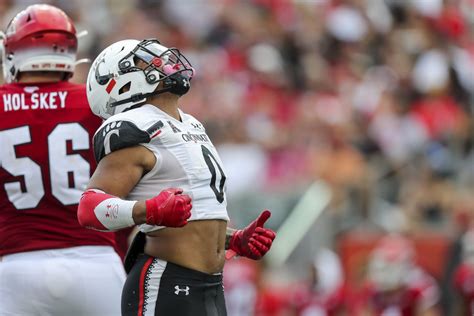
{"points": [[119, 134]]}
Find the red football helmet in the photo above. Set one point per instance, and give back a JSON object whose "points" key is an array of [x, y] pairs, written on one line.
{"points": [[390, 262], [39, 38]]}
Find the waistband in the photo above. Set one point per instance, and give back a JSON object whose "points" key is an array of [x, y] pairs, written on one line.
{"points": [[173, 269], [177, 271]]}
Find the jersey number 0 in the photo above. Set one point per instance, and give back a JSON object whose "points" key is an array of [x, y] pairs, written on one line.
{"points": [[212, 163]]}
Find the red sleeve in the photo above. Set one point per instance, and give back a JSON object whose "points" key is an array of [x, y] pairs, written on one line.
{"points": [[86, 210]]}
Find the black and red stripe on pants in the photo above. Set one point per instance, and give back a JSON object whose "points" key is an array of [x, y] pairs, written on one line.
{"points": [[156, 287]]}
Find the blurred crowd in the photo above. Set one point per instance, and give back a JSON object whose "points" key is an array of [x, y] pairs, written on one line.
{"points": [[373, 97]]}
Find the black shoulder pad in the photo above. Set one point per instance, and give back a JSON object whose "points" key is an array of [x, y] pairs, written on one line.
{"points": [[121, 134]]}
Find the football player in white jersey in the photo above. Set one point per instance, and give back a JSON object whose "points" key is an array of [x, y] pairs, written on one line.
{"points": [[158, 169]]}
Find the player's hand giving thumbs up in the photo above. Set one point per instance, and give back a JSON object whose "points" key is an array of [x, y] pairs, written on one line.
{"points": [[254, 240]]}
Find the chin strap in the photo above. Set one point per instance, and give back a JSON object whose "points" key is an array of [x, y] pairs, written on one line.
{"points": [[138, 97]]}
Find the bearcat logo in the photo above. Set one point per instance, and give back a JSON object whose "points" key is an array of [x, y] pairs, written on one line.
{"points": [[122, 134], [109, 130]]}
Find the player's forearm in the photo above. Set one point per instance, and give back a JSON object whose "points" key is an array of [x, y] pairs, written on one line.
{"points": [[101, 211], [228, 236]]}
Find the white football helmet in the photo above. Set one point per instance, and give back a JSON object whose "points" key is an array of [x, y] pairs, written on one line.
{"points": [[118, 82]]}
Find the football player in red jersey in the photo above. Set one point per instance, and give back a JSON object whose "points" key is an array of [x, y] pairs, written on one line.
{"points": [[464, 277], [395, 285], [323, 292], [49, 264]]}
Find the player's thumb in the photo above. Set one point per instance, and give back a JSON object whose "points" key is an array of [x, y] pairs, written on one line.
{"points": [[263, 217]]}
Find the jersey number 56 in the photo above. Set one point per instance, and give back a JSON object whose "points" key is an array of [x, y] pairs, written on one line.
{"points": [[68, 173]]}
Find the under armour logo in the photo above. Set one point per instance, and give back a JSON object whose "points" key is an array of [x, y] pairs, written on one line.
{"points": [[112, 210], [186, 82], [197, 125], [178, 290]]}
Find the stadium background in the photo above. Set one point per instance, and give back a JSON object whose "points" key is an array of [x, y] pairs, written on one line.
{"points": [[354, 118]]}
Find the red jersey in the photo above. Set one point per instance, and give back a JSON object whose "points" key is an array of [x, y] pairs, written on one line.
{"points": [[240, 283], [419, 291], [464, 283], [46, 160], [308, 301]]}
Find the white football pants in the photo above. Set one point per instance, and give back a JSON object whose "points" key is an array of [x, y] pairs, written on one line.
{"points": [[78, 281]]}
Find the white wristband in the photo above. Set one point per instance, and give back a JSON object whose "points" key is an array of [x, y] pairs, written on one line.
{"points": [[115, 213]]}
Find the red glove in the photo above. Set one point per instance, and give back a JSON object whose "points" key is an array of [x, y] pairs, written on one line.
{"points": [[169, 208], [254, 240]]}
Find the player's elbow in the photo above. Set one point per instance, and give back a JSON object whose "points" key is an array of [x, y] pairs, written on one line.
{"points": [[85, 212]]}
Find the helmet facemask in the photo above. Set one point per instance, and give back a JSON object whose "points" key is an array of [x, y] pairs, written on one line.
{"points": [[166, 61]]}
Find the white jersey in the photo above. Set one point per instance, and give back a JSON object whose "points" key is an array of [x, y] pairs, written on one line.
{"points": [[185, 158]]}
